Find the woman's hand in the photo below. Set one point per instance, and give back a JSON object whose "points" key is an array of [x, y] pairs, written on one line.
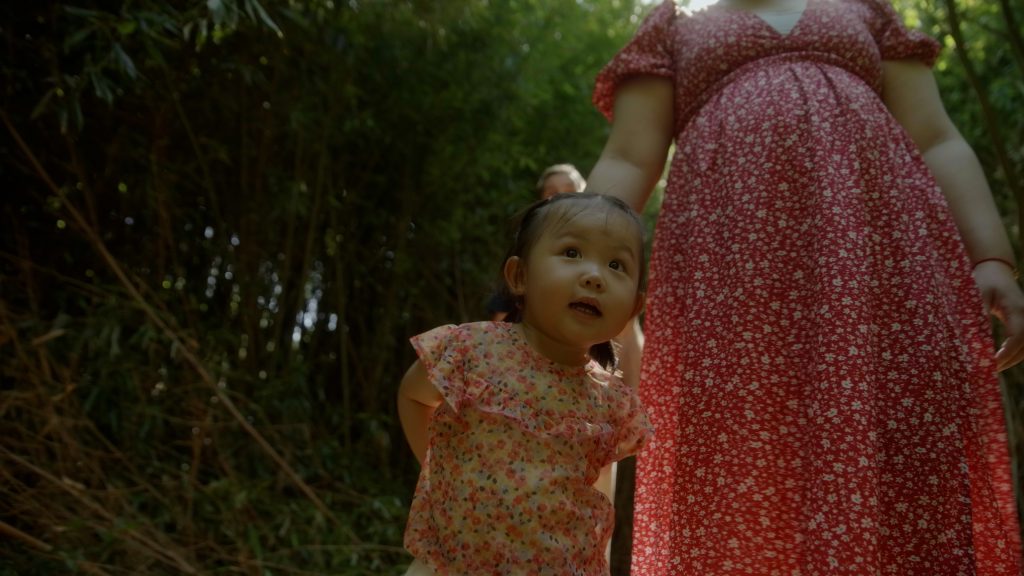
{"points": [[1004, 300]]}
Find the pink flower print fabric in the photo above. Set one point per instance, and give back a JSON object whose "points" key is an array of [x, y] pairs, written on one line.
{"points": [[818, 367], [514, 451]]}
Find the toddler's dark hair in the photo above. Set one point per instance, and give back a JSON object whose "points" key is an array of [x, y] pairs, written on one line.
{"points": [[530, 223]]}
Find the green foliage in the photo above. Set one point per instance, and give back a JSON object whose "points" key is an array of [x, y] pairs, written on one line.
{"points": [[254, 204], [982, 84], [989, 46]]}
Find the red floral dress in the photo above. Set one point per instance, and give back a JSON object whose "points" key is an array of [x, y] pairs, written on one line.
{"points": [[818, 367], [507, 486]]}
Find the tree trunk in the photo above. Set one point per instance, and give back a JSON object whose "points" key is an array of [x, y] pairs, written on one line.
{"points": [[987, 111]]}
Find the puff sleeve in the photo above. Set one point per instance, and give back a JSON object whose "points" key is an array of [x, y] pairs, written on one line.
{"points": [[895, 41], [633, 428], [647, 54], [442, 352]]}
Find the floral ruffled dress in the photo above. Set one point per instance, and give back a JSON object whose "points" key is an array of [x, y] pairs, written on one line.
{"points": [[506, 487]]}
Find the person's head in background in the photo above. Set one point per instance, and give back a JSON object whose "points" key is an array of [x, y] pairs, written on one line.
{"points": [[559, 178]]}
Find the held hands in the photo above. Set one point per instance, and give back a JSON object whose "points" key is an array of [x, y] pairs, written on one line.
{"points": [[1004, 300]]}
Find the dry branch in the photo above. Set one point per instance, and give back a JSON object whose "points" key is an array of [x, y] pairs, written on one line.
{"points": [[177, 340]]}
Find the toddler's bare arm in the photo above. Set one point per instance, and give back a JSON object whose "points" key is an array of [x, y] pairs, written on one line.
{"points": [[417, 400]]}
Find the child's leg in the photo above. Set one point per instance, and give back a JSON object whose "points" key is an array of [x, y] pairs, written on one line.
{"points": [[418, 568]]}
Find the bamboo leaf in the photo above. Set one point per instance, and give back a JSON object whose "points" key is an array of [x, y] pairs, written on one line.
{"points": [[83, 12], [125, 61], [153, 52], [101, 87], [40, 108], [217, 10], [127, 27], [264, 16], [76, 38]]}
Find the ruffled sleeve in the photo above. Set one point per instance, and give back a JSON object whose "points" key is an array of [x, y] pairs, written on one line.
{"points": [[647, 54], [442, 352], [632, 429], [895, 41]]}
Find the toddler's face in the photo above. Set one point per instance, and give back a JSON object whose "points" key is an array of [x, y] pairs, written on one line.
{"points": [[581, 278]]}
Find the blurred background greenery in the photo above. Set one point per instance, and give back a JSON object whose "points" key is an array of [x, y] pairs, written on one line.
{"points": [[222, 220]]}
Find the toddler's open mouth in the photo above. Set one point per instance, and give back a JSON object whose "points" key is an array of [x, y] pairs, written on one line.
{"points": [[586, 306]]}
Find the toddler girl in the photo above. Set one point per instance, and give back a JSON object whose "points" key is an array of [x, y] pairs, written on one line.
{"points": [[513, 421]]}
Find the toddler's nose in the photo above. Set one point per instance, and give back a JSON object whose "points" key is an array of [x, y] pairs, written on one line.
{"points": [[593, 280]]}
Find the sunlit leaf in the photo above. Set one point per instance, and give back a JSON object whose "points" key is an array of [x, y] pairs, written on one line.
{"points": [[254, 4], [217, 10], [126, 27]]}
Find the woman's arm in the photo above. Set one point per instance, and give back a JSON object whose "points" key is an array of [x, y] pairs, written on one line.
{"points": [[910, 93], [417, 400], [634, 156], [632, 161]]}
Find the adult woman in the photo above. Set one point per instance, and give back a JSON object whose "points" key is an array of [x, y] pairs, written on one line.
{"points": [[818, 364]]}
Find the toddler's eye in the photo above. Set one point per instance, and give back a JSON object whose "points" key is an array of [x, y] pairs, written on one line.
{"points": [[616, 265], [572, 253]]}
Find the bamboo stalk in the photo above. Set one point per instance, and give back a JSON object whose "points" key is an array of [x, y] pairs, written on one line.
{"points": [[158, 550], [987, 111], [32, 541], [176, 340], [1013, 34]]}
